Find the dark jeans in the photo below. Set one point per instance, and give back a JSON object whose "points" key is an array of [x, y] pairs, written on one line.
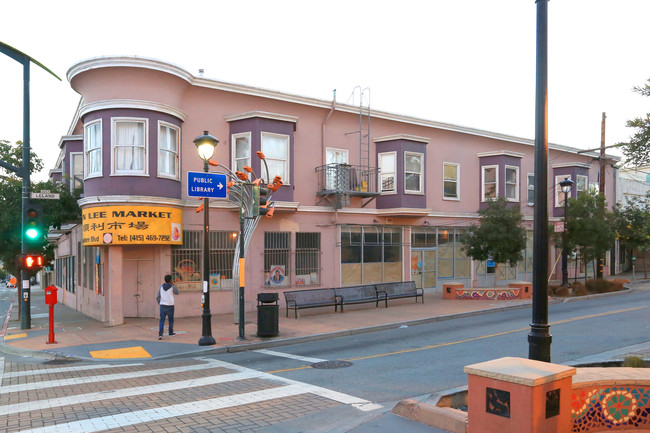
{"points": [[168, 311]]}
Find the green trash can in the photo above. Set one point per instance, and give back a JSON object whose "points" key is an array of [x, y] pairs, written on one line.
{"points": [[268, 312]]}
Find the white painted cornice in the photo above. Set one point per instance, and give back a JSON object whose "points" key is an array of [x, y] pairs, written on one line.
{"points": [[158, 65], [501, 153], [262, 114], [131, 103], [572, 164], [408, 137]]}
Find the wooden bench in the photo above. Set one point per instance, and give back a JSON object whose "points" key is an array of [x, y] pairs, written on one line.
{"points": [[403, 289], [359, 295], [312, 298]]}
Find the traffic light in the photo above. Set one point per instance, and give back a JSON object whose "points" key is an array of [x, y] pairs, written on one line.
{"points": [[33, 224], [260, 200], [30, 262]]}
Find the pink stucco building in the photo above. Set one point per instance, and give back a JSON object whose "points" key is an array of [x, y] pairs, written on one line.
{"points": [[368, 196]]}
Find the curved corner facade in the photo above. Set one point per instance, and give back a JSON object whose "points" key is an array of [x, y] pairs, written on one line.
{"points": [[367, 196]]}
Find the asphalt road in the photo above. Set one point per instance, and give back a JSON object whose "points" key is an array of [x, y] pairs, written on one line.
{"points": [[427, 359]]}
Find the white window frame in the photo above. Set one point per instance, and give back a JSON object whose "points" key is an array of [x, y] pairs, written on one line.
{"points": [[145, 168], [72, 168], [233, 141], [505, 180], [420, 190], [286, 175], [177, 153], [392, 173], [456, 181], [88, 153], [496, 182], [586, 184], [559, 194], [530, 187]]}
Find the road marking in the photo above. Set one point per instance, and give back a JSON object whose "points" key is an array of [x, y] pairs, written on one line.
{"points": [[482, 337], [123, 353], [287, 388], [290, 356], [125, 392], [14, 336], [105, 378], [65, 369]]}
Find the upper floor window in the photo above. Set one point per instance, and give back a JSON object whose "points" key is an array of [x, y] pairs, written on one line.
{"points": [[93, 148], [129, 143], [76, 170], [531, 189], [559, 195], [387, 168], [512, 183], [413, 172], [489, 182], [241, 151], [276, 152], [450, 173], [168, 157], [582, 183]]}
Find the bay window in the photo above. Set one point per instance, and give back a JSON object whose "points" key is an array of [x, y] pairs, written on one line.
{"points": [[93, 149], [129, 144]]}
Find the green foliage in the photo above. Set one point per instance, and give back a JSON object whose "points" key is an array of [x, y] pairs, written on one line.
{"points": [[589, 226], [499, 236], [634, 362], [637, 150], [55, 212], [632, 223]]}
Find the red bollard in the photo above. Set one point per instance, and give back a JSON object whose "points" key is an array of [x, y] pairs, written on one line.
{"points": [[50, 299]]}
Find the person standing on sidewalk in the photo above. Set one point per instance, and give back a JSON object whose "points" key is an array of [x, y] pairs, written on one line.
{"points": [[165, 299]]}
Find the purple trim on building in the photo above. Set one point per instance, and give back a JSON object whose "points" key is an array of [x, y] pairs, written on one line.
{"points": [[572, 172], [402, 199], [151, 185], [257, 125], [500, 161]]}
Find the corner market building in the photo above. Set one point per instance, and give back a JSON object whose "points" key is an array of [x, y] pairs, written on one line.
{"points": [[368, 196]]}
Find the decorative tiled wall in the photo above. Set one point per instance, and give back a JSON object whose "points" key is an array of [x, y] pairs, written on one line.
{"points": [[488, 294], [615, 408]]}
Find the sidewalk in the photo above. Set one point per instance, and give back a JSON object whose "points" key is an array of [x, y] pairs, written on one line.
{"points": [[81, 337]]}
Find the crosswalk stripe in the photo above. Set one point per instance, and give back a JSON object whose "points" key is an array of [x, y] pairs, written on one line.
{"points": [[286, 388], [152, 415], [105, 378], [125, 392], [14, 374], [290, 356]]}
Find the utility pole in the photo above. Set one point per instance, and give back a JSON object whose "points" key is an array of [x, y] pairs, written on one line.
{"points": [[601, 184]]}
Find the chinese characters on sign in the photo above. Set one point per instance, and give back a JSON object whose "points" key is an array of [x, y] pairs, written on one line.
{"points": [[115, 225]]}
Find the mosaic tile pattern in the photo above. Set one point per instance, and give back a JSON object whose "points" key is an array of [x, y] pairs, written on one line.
{"points": [[488, 295], [615, 408]]}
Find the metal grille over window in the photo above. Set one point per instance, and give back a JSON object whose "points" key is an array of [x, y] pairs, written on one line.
{"points": [[187, 260], [307, 259], [277, 266]]}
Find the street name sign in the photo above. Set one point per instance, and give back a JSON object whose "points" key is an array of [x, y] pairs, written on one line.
{"points": [[45, 194], [211, 185]]}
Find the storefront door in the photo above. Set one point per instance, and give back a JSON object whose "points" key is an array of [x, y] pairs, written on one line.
{"points": [[139, 295], [423, 267]]}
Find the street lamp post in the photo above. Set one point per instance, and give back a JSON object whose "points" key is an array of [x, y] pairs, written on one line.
{"points": [[205, 144], [566, 188]]}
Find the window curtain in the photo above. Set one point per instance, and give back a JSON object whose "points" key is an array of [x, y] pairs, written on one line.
{"points": [[94, 148], [168, 148], [129, 146]]}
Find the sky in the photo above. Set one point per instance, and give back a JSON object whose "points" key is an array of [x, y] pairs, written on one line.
{"points": [[466, 62]]}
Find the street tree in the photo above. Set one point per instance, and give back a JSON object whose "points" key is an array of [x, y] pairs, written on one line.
{"points": [[56, 212], [637, 150], [499, 236], [589, 226], [632, 225]]}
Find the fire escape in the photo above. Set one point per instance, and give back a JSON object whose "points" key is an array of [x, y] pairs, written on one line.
{"points": [[338, 182]]}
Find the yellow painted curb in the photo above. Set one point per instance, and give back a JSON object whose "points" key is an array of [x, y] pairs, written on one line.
{"points": [[11, 337], [126, 352]]}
